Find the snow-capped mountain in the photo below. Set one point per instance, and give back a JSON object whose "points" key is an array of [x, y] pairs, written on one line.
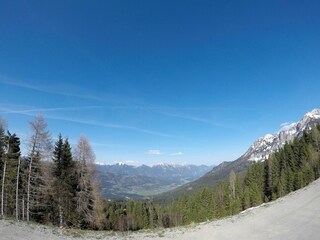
{"points": [[264, 146], [170, 172]]}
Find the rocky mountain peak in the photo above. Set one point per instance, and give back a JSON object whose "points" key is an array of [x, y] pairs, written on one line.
{"points": [[264, 146]]}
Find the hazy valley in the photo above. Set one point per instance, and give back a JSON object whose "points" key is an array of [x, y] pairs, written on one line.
{"points": [[122, 181]]}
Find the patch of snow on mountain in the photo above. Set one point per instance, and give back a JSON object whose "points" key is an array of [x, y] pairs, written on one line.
{"points": [[170, 165], [288, 127], [263, 147], [315, 113]]}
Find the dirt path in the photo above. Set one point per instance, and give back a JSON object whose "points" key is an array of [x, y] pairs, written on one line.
{"points": [[294, 217]]}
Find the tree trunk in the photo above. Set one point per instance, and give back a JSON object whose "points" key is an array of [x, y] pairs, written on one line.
{"points": [[17, 190], [60, 215], [28, 186], [2, 190], [23, 208]]}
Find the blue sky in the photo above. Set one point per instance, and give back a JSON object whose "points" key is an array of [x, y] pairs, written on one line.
{"points": [[159, 81]]}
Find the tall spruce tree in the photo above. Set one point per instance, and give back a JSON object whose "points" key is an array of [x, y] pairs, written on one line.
{"points": [[57, 187], [65, 183]]}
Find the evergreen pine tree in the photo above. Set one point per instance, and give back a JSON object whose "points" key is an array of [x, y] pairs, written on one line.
{"points": [[65, 183]]}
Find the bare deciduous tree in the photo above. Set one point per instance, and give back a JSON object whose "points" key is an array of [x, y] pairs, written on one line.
{"points": [[39, 144], [84, 156]]}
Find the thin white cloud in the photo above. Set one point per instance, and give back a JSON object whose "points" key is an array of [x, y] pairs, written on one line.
{"points": [[176, 154], [108, 145], [153, 152], [45, 89], [197, 119], [23, 110], [15, 83], [11, 82], [108, 125], [32, 112]]}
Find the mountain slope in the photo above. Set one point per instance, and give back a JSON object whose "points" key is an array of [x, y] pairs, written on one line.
{"points": [[258, 151]]}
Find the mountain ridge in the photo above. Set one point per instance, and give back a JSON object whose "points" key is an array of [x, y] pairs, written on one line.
{"points": [[271, 142], [258, 151]]}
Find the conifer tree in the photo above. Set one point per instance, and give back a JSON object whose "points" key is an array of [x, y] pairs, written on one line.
{"points": [[236, 204], [69, 185], [246, 197], [232, 181], [65, 182]]}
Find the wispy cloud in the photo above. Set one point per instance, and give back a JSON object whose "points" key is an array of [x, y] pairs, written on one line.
{"points": [[33, 111], [197, 119], [153, 152], [11, 82], [109, 125], [46, 89], [176, 154], [108, 145]]}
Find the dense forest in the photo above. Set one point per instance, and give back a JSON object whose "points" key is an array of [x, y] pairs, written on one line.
{"points": [[56, 185]]}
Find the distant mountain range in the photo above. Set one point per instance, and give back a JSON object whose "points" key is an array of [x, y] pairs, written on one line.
{"points": [[258, 151], [122, 181]]}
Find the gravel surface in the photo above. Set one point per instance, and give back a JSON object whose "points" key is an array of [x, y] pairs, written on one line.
{"points": [[295, 217]]}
